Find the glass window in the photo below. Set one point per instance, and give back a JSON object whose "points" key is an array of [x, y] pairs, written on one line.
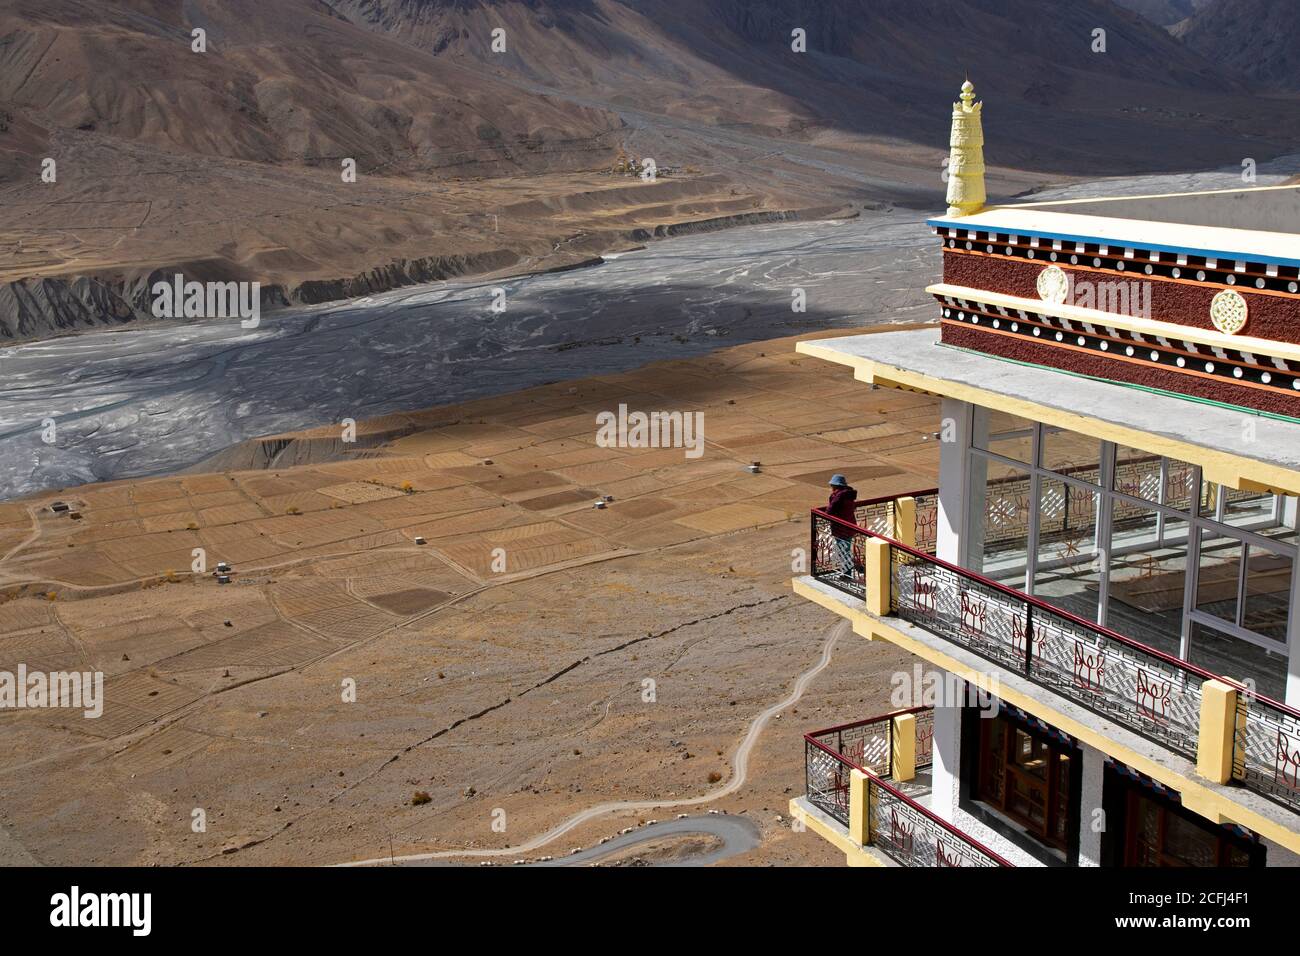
{"points": [[1243, 509], [1288, 516], [1240, 508], [1266, 597], [1208, 503], [1158, 508], [1221, 653], [1158, 834], [1138, 473], [1001, 520], [1189, 844], [1030, 755], [1067, 560], [1028, 778], [1144, 847], [1068, 453], [1180, 485], [1148, 575], [1282, 523], [1008, 435], [1152, 478], [1218, 575]]}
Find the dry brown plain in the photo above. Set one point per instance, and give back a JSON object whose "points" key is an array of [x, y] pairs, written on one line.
{"points": [[520, 691]]}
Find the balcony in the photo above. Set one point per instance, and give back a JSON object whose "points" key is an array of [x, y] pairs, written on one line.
{"points": [[848, 772], [885, 560]]}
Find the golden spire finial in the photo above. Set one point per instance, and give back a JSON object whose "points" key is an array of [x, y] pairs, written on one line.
{"points": [[966, 155]]}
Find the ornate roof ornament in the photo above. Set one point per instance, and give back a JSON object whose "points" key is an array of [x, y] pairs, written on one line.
{"points": [[966, 155]]}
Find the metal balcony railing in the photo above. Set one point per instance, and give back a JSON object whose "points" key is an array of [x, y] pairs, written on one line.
{"points": [[870, 743], [893, 822], [916, 520], [1139, 687]]}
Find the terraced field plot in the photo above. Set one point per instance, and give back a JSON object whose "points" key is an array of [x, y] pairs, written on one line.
{"points": [[513, 642]]}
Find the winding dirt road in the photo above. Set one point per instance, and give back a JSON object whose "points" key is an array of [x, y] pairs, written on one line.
{"points": [[740, 762]]}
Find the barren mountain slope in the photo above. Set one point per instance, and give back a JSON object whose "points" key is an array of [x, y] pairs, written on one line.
{"points": [[280, 81], [872, 69], [1255, 39], [1166, 13], [227, 164]]}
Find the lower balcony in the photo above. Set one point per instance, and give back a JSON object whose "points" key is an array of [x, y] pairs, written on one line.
{"points": [[867, 785], [1223, 731]]}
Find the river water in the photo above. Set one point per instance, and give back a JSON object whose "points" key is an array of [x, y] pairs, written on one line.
{"points": [[152, 400]]}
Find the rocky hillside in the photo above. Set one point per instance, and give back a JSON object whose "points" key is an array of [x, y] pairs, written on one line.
{"points": [[1166, 13], [878, 68], [279, 81], [1257, 40], [495, 131]]}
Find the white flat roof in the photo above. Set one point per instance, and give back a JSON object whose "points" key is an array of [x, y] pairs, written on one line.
{"points": [[1256, 224], [1209, 435]]}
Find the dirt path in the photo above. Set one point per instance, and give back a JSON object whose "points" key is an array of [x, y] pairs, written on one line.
{"points": [[31, 539], [740, 774], [738, 835]]}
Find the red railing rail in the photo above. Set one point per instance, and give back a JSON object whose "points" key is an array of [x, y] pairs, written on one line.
{"points": [[864, 502], [857, 741], [854, 724], [882, 513]]}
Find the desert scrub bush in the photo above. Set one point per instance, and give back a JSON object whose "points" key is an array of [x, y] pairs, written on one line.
{"points": [[714, 776], [419, 798]]}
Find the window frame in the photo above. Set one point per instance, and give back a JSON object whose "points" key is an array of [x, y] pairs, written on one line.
{"points": [[1107, 498]]}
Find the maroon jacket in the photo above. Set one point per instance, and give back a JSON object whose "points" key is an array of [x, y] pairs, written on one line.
{"points": [[841, 506]]}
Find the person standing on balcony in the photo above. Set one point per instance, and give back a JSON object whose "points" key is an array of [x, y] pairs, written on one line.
{"points": [[842, 505]]}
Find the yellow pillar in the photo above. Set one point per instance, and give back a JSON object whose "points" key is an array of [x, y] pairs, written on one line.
{"points": [[859, 825], [903, 758], [1217, 738], [905, 521], [875, 559]]}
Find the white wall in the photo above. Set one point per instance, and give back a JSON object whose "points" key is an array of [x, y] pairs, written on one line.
{"points": [[1090, 821], [954, 480], [945, 769]]}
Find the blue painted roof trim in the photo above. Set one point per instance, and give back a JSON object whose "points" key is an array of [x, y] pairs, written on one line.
{"points": [[1102, 240]]}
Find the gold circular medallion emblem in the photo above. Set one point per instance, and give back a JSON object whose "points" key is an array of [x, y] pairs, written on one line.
{"points": [[1228, 312], [1053, 285]]}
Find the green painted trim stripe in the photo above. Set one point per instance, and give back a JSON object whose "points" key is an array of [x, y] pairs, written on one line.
{"points": [[1141, 388]]}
